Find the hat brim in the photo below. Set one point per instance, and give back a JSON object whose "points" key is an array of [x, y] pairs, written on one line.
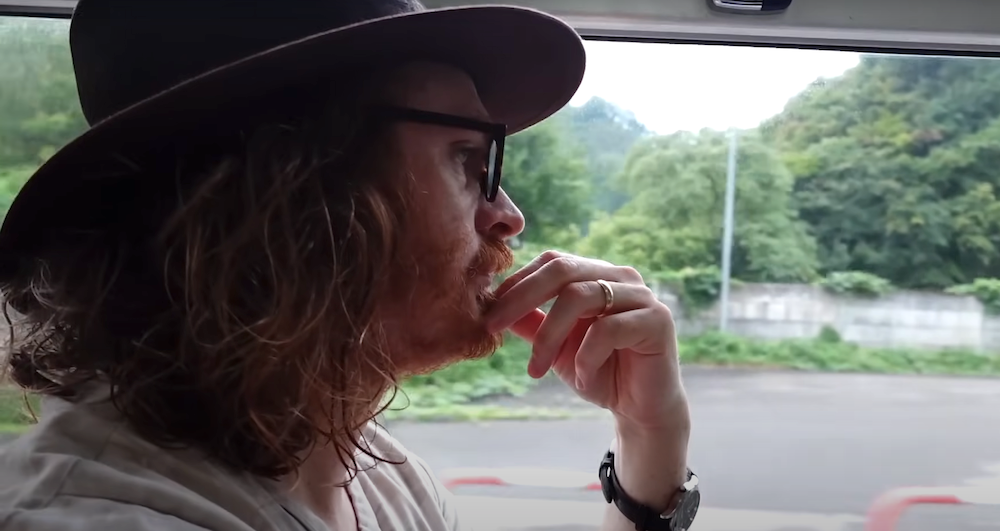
{"points": [[526, 66]]}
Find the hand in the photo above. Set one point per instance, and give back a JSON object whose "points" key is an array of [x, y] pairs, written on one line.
{"points": [[624, 360]]}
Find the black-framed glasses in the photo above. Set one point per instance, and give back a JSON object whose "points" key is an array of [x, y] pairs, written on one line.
{"points": [[497, 133]]}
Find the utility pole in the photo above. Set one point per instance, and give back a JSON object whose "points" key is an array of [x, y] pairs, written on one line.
{"points": [[727, 233]]}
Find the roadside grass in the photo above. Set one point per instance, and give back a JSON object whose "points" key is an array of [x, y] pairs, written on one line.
{"points": [[461, 392], [828, 353]]}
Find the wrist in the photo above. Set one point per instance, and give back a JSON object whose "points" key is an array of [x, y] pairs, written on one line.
{"points": [[651, 465], [673, 423]]}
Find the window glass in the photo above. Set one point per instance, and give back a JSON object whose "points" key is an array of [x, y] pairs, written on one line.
{"points": [[865, 250], [39, 109]]}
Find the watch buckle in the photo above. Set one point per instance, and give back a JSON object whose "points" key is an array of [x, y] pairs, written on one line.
{"points": [[607, 489]]}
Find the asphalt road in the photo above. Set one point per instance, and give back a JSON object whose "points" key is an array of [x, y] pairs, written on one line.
{"points": [[775, 451]]}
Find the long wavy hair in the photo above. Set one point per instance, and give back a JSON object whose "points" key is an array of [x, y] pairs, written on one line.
{"points": [[232, 307]]}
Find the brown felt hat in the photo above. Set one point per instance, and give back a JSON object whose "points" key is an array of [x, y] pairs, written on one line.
{"points": [[147, 70]]}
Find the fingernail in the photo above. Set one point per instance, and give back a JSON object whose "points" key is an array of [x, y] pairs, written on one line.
{"points": [[579, 383]]}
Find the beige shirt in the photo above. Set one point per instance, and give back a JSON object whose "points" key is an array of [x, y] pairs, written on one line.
{"points": [[82, 469]]}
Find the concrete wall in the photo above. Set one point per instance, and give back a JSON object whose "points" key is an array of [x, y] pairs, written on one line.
{"points": [[901, 319]]}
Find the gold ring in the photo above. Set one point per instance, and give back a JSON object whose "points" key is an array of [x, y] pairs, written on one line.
{"points": [[609, 296]]}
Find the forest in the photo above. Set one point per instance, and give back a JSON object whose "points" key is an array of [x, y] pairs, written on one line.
{"points": [[889, 171]]}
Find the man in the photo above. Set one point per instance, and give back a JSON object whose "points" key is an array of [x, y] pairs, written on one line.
{"points": [[281, 210]]}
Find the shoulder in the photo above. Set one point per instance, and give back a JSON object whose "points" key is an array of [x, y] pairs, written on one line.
{"points": [[81, 469], [402, 482], [395, 470], [51, 483], [399, 460]]}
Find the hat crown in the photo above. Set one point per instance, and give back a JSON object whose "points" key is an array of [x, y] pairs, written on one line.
{"points": [[125, 51]]}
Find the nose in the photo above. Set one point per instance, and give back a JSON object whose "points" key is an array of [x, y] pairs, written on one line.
{"points": [[500, 219]]}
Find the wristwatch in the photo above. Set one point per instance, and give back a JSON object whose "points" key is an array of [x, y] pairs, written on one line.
{"points": [[682, 509]]}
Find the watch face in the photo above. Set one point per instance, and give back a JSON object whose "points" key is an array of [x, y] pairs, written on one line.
{"points": [[686, 510]]}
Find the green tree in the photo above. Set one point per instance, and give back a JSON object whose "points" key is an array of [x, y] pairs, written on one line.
{"points": [[547, 179], [897, 164], [675, 219], [606, 134], [39, 109]]}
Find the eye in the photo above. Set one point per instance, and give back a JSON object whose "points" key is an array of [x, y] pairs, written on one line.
{"points": [[466, 153], [473, 159]]}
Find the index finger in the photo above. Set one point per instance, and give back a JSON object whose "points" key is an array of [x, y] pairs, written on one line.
{"points": [[528, 269], [543, 284]]}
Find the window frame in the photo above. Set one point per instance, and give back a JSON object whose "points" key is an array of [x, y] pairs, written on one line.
{"points": [[37, 8], [956, 27]]}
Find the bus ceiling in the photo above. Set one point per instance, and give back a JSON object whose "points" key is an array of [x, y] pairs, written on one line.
{"points": [[921, 26]]}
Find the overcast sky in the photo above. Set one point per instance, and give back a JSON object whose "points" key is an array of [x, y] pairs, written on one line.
{"points": [[673, 87]]}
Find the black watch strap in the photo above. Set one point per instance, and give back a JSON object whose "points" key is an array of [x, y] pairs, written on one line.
{"points": [[644, 517]]}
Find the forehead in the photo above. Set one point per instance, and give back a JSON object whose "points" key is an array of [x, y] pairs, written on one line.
{"points": [[434, 87]]}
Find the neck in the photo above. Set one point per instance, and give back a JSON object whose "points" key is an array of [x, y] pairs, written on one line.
{"points": [[320, 485]]}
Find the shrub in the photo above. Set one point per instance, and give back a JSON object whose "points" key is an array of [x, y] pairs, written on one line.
{"points": [[987, 290], [856, 283]]}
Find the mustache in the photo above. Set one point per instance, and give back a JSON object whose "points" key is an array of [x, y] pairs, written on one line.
{"points": [[494, 257]]}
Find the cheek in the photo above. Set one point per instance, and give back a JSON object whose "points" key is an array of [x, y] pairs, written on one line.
{"points": [[455, 236], [438, 176], [457, 223], [447, 199], [444, 204], [440, 232]]}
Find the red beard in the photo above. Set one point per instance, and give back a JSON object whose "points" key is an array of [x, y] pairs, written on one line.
{"points": [[441, 320]]}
